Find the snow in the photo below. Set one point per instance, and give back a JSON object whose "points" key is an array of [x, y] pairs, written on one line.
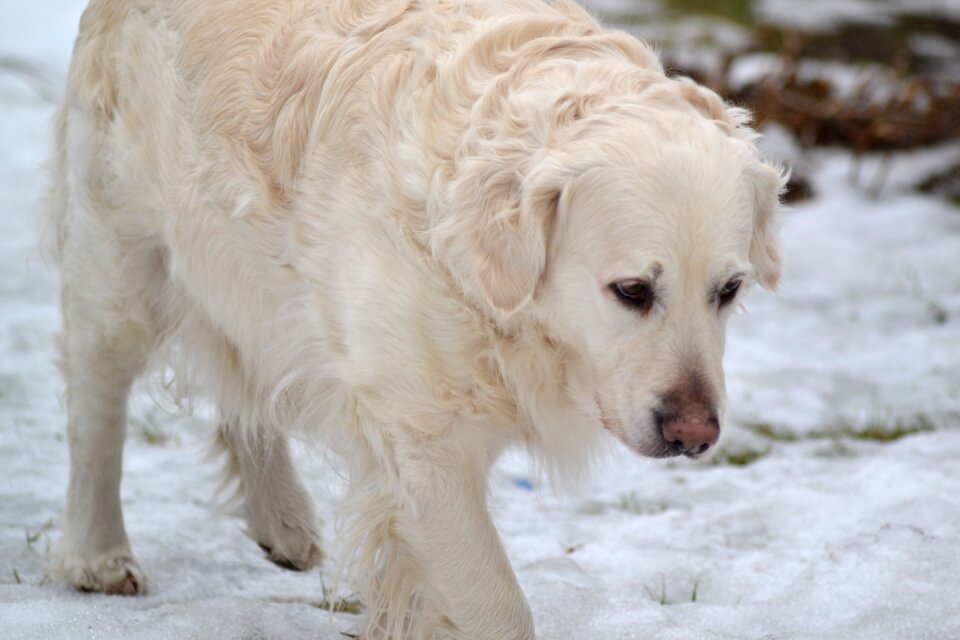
{"points": [[825, 14], [823, 536], [858, 81]]}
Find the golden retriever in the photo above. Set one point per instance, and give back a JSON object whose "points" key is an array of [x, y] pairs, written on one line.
{"points": [[419, 230]]}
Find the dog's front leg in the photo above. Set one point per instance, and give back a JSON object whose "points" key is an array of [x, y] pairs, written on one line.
{"points": [[446, 524]]}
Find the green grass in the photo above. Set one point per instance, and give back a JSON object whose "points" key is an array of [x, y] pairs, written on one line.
{"points": [[16, 576], [659, 593], [327, 603], [739, 11], [660, 597], [736, 11], [337, 605], [152, 432], [155, 436], [35, 536], [740, 457], [835, 449], [874, 431], [632, 503], [891, 433], [770, 432], [340, 605], [938, 314], [882, 432]]}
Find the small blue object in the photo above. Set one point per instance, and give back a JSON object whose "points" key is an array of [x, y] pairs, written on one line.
{"points": [[523, 483]]}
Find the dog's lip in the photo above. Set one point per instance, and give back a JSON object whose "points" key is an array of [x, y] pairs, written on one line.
{"points": [[604, 422], [600, 413], [673, 450], [664, 449]]}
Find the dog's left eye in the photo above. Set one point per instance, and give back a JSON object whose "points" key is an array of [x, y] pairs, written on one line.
{"points": [[729, 292]]}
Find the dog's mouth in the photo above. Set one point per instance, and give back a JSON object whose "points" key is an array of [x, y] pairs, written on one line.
{"points": [[609, 421], [655, 446], [664, 449]]}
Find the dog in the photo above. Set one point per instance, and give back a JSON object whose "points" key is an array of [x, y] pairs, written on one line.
{"points": [[421, 231]]}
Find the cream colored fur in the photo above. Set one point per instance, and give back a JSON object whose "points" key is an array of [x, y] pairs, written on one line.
{"points": [[390, 225]]}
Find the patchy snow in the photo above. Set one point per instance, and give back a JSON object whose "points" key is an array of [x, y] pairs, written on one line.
{"points": [[848, 81], [818, 15], [698, 42], [826, 535]]}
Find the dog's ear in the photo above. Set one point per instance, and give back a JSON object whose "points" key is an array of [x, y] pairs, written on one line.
{"points": [[498, 223], [512, 245], [768, 185], [496, 226]]}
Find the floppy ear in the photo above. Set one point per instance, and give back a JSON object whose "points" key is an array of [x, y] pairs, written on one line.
{"points": [[498, 222], [768, 184]]}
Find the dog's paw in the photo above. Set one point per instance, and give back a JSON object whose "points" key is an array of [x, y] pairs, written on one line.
{"points": [[312, 557], [115, 572], [294, 548]]}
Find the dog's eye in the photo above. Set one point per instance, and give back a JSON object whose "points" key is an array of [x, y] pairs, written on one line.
{"points": [[729, 292], [634, 293]]}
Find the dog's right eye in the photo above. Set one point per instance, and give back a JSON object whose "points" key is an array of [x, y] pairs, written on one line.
{"points": [[636, 294]]}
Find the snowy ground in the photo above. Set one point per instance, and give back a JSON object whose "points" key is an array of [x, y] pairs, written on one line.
{"points": [[828, 532]]}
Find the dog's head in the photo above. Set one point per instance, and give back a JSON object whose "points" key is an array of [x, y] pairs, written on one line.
{"points": [[628, 232]]}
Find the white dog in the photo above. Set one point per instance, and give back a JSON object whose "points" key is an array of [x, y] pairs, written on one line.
{"points": [[421, 230]]}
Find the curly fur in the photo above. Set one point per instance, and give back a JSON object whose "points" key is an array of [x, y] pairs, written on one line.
{"points": [[369, 223]]}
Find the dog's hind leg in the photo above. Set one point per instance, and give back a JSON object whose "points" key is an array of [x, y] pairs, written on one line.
{"points": [[278, 508]]}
